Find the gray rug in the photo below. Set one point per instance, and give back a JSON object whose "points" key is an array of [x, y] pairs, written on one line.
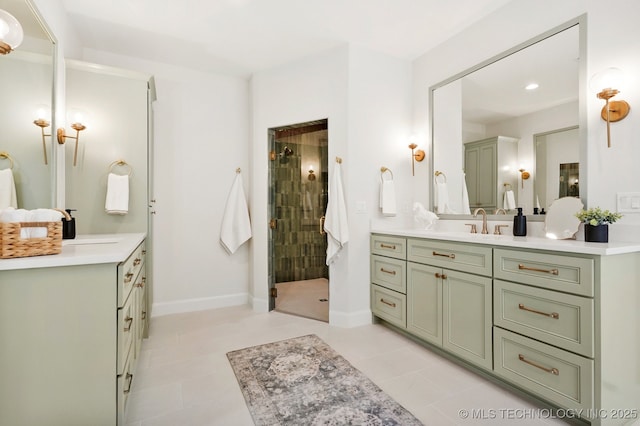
{"points": [[302, 381]]}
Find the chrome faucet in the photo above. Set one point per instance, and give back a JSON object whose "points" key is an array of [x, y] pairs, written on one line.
{"points": [[484, 219]]}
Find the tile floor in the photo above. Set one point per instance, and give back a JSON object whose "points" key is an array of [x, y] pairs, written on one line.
{"points": [[308, 298], [183, 376]]}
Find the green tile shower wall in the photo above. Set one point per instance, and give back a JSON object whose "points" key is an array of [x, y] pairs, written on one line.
{"points": [[300, 249]]}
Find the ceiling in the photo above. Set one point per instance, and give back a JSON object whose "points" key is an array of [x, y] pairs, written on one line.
{"points": [[243, 36]]}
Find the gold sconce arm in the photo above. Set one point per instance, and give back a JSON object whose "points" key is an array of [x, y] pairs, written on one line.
{"points": [[42, 123], [613, 110], [415, 156], [62, 137]]}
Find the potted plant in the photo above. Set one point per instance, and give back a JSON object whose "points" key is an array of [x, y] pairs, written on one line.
{"points": [[596, 223]]}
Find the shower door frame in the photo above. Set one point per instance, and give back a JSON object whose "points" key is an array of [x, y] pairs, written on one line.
{"points": [[272, 206]]}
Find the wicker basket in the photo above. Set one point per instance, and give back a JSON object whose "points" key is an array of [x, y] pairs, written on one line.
{"points": [[12, 245]]}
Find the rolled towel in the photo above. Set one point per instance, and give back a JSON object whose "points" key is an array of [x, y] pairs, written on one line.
{"points": [[117, 201], [7, 190], [40, 215]]}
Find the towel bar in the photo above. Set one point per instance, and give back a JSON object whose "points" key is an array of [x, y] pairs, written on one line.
{"points": [[121, 163], [6, 155], [384, 169]]}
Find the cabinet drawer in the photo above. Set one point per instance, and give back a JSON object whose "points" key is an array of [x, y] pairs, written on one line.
{"points": [[556, 272], [559, 319], [126, 330], [124, 382], [557, 375], [128, 272], [389, 273], [389, 305], [385, 245], [475, 259]]}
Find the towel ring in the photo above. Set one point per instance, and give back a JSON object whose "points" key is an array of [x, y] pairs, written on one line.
{"points": [[6, 156], [384, 169], [338, 160], [439, 173], [121, 163], [507, 186]]}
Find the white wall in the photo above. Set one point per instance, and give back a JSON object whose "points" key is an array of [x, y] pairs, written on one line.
{"points": [[612, 39], [366, 98], [201, 136]]}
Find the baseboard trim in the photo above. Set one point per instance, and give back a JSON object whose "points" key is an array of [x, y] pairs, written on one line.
{"points": [[348, 320], [200, 304], [259, 305]]}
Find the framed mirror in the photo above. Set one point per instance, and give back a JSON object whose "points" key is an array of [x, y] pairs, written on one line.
{"points": [[484, 122], [27, 87]]}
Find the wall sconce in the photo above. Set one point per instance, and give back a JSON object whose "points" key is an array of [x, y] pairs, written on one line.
{"points": [[613, 111], [42, 123], [312, 175], [11, 33], [524, 175], [62, 137], [415, 156]]}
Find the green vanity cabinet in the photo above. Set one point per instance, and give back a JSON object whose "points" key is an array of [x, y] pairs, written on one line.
{"points": [[70, 341], [561, 325], [447, 307]]}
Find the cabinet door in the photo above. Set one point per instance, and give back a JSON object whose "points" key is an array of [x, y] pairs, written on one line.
{"points": [[424, 302], [467, 317]]}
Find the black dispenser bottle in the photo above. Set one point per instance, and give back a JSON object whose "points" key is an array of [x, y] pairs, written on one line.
{"points": [[520, 224], [69, 226]]}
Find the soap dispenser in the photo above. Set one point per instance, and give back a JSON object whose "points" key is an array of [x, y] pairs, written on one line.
{"points": [[69, 226], [520, 224]]}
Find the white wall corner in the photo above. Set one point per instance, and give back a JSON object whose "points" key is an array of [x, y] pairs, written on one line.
{"points": [[259, 305], [350, 320], [199, 304]]}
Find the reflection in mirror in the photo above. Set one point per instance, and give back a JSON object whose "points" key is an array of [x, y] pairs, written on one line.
{"points": [[475, 111], [557, 166], [27, 86]]}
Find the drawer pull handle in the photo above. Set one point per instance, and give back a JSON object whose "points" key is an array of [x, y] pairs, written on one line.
{"points": [[439, 275], [387, 272], [548, 271], [553, 371], [382, 245], [137, 261], [144, 315], [554, 315], [128, 277], [128, 320], [450, 256], [129, 379], [393, 305]]}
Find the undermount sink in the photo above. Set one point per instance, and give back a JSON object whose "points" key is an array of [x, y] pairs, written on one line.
{"points": [[86, 241]]}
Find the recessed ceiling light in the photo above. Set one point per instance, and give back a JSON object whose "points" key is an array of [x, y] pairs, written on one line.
{"points": [[531, 86]]}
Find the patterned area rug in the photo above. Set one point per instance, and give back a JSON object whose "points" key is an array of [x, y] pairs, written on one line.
{"points": [[302, 381]]}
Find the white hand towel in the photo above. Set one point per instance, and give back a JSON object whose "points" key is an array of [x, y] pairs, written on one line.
{"points": [[236, 224], [335, 223], [465, 197], [388, 198], [117, 201], [7, 190], [537, 202], [442, 198], [509, 202]]}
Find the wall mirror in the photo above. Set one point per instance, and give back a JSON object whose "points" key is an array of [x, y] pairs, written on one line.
{"points": [[487, 129], [27, 87]]}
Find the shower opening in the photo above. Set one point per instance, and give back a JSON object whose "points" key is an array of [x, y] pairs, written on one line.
{"points": [[298, 191]]}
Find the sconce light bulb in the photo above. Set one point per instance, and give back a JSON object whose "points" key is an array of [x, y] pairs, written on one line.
{"points": [[11, 33]]}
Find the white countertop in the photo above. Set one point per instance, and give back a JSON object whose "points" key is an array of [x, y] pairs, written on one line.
{"points": [[83, 250], [539, 243]]}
